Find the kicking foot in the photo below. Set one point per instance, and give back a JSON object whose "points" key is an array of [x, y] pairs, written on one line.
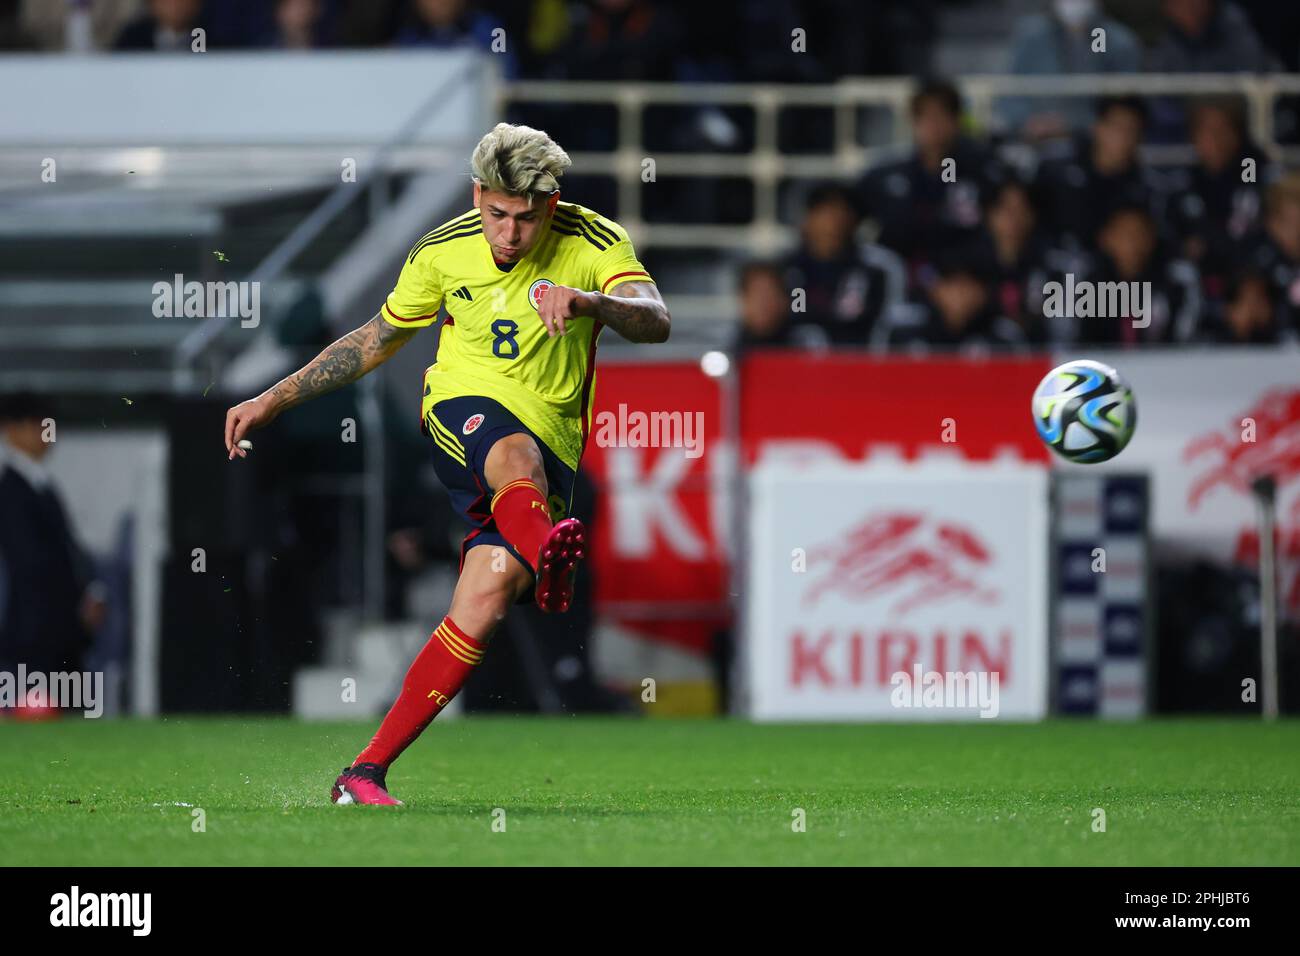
{"points": [[557, 563], [363, 783]]}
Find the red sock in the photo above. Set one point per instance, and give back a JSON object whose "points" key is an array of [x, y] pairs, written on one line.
{"points": [[433, 679], [522, 517]]}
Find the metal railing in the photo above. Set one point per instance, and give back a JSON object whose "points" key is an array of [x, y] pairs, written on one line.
{"points": [[373, 184], [849, 156]]}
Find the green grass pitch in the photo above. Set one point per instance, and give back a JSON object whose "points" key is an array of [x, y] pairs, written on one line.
{"points": [[611, 791]]}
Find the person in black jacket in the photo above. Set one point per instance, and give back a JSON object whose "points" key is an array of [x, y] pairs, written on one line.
{"points": [[1013, 251], [842, 289], [48, 607], [1130, 251], [956, 313], [930, 201], [764, 308], [1274, 249], [1213, 205], [1248, 315], [1078, 186]]}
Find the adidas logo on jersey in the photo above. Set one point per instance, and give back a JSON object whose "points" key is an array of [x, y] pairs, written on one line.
{"points": [[463, 293]]}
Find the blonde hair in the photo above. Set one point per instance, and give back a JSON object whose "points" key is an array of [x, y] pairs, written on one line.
{"points": [[519, 161]]}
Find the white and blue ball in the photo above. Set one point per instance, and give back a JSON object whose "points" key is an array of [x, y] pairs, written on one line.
{"points": [[1084, 411]]}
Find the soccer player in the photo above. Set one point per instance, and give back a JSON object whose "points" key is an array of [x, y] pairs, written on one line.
{"points": [[529, 283]]}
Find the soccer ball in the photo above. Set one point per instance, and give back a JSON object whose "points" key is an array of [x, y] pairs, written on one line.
{"points": [[1084, 411]]}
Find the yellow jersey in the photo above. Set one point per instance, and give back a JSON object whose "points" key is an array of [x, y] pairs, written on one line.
{"points": [[493, 342]]}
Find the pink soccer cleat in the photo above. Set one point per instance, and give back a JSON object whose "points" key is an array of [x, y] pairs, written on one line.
{"points": [[557, 563], [364, 784]]}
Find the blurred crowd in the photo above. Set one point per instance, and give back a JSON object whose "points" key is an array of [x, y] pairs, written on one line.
{"points": [[951, 245], [723, 41], [967, 260]]}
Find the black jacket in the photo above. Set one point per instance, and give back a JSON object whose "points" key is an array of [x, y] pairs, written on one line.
{"points": [[43, 575]]}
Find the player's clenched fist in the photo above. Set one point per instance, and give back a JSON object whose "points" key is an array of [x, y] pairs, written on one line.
{"points": [[242, 419], [559, 304]]}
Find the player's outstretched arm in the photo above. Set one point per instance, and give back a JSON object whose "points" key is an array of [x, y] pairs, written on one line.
{"points": [[342, 362], [634, 310]]}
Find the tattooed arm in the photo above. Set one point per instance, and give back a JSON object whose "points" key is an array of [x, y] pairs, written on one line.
{"points": [[342, 362], [634, 310]]}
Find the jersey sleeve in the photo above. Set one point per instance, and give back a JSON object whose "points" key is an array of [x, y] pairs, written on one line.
{"points": [[415, 300], [618, 264]]}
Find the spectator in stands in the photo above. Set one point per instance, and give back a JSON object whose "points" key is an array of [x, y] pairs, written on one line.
{"points": [[80, 27], [1130, 252], [1061, 42], [624, 40], [542, 29], [1248, 314], [762, 34], [167, 27], [1014, 254], [1207, 36], [15, 36], [364, 23], [931, 200], [1080, 183], [1275, 250], [446, 24], [764, 308], [849, 37], [299, 25], [957, 312], [1211, 207], [50, 604], [846, 288], [1278, 27]]}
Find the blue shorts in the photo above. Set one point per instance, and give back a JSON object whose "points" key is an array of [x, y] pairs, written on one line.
{"points": [[463, 430]]}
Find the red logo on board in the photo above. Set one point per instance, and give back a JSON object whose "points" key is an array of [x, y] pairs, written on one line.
{"points": [[915, 558], [1233, 460]]}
